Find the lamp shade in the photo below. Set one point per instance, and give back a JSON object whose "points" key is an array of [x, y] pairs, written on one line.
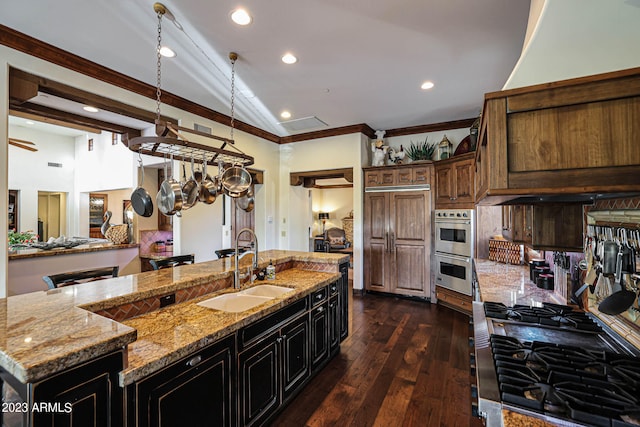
{"points": [[323, 215]]}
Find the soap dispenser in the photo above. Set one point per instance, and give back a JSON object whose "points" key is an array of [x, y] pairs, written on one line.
{"points": [[271, 271]]}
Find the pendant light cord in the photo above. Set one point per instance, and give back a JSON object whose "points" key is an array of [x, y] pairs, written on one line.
{"points": [[159, 68], [233, 56]]}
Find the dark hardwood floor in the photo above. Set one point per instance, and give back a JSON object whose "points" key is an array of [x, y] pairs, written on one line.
{"points": [[405, 363]]}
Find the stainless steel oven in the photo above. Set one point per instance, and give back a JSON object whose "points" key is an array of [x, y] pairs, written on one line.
{"points": [[454, 272], [454, 231]]}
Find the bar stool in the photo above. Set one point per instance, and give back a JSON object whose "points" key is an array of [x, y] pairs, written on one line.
{"points": [[224, 253], [54, 281], [172, 261]]}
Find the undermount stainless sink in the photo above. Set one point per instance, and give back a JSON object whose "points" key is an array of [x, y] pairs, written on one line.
{"points": [[234, 302], [266, 291]]}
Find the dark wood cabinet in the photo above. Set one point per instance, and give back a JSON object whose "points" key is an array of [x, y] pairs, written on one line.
{"points": [[455, 184], [195, 389], [557, 227], [88, 394], [343, 301], [319, 334], [397, 242], [572, 137], [334, 318]]}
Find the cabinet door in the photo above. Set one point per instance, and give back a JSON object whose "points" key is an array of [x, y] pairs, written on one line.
{"points": [[343, 301], [195, 389], [521, 227], [376, 237], [463, 172], [334, 324], [259, 380], [296, 366], [405, 176], [444, 185], [557, 227], [91, 391], [410, 240], [420, 174], [319, 335]]}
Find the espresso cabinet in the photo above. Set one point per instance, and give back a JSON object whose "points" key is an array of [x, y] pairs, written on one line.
{"points": [[454, 187], [397, 242], [194, 389], [88, 394]]}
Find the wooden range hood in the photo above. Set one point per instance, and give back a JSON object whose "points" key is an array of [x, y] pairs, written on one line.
{"points": [[308, 179]]}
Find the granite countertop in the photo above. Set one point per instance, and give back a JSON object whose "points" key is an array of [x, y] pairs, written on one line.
{"points": [[89, 247], [510, 285], [42, 333], [156, 255]]}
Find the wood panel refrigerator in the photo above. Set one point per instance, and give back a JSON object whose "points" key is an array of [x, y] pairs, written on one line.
{"points": [[397, 241]]}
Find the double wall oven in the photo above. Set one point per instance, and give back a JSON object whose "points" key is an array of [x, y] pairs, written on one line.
{"points": [[454, 249]]}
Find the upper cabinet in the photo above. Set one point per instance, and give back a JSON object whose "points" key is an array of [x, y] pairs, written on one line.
{"points": [[398, 175], [455, 182], [571, 138]]}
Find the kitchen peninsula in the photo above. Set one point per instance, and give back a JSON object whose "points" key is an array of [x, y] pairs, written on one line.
{"points": [[28, 265], [124, 338]]}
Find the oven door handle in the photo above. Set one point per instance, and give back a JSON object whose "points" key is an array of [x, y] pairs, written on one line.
{"points": [[453, 257], [467, 222]]}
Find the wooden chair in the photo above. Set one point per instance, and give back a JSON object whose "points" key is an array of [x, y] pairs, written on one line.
{"points": [[75, 277], [224, 253], [172, 261]]}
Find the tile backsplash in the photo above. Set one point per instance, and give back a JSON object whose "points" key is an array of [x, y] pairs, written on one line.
{"points": [[148, 238]]}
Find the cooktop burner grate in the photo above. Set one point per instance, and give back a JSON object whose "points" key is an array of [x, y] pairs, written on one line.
{"points": [[594, 387], [555, 315]]}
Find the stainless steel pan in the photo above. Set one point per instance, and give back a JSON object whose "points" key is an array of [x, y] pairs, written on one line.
{"points": [[169, 197], [208, 189], [189, 189], [247, 202], [235, 181]]}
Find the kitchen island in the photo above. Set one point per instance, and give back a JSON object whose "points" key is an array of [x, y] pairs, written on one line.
{"points": [[49, 334]]}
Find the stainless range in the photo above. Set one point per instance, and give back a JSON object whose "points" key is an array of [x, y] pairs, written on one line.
{"points": [[555, 364]]}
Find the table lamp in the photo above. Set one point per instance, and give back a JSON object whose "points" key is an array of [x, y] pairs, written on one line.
{"points": [[324, 216]]}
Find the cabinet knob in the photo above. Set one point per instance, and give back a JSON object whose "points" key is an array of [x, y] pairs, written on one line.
{"points": [[320, 309]]}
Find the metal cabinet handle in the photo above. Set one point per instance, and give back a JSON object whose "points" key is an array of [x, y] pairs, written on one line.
{"points": [[194, 360], [393, 238], [319, 296], [320, 309], [386, 242]]}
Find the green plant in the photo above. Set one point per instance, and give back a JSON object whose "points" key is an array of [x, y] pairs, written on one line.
{"points": [[422, 150], [17, 238]]}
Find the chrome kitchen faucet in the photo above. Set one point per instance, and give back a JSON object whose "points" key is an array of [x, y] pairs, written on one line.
{"points": [[236, 276]]}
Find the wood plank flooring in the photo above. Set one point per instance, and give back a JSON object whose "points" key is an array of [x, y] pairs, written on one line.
{"points": [[405, 363]]}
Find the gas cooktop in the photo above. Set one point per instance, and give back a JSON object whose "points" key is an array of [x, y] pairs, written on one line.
{"points": [[561, 316], [594, 387]]}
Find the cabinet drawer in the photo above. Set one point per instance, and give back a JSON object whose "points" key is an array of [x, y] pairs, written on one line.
{"points": [[454, 300], [257, 330], [319, 296]]}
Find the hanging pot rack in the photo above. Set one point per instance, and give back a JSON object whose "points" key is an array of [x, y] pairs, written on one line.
{"points": [[182, 148]]}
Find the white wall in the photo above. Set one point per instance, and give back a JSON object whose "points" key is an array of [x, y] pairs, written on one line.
{"points": [[345, 151], [338, 202], [29, 172]]}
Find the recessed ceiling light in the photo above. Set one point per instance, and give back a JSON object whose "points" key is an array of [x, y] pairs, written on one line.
{"points": [[30, 123], [288, 58], [167, 52], [241, 17], [90, 109], [426, 85], [285, 114]]}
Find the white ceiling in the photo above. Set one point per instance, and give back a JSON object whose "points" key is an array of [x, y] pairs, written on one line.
{"points": [[360, 61]]}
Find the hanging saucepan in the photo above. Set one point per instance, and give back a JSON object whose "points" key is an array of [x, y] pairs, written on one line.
{"points": [[169, 198], [621, 298], [246, 202], [628, 254], [208, 187], [610, 249], [140, 198], [235, 181], [189, 189]]}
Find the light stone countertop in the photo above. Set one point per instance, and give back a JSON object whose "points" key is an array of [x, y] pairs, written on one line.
{"points": [[510, 285], [42, 333], [27, 252]]}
